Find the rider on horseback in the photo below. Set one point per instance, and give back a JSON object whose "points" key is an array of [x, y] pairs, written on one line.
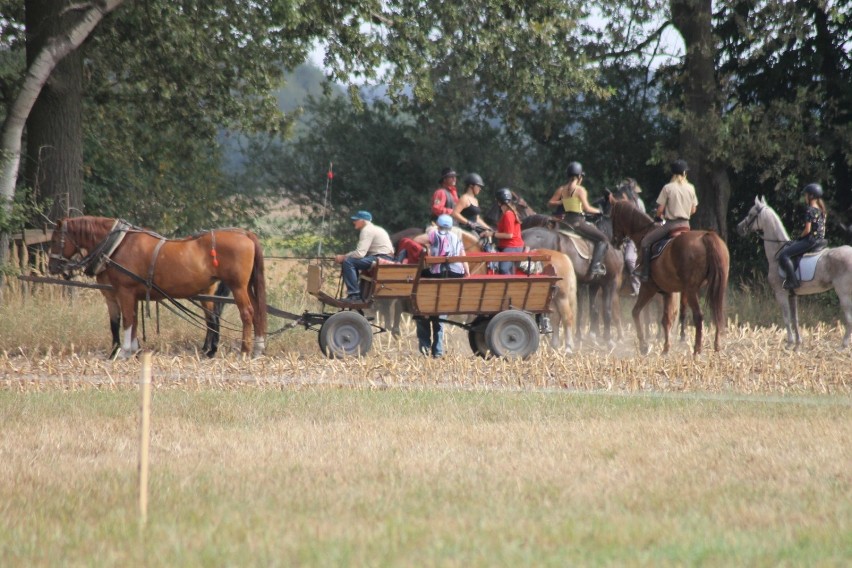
{"points": [[467, 213], [573, 199], [812, 236], [675, 205]]}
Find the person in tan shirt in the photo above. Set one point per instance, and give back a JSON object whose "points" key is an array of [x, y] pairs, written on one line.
{"points": [[373, 242], [675, 205]]}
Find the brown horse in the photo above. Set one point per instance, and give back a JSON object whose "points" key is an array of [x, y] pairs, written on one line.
{"points": [[690, 260], [140, 264]]}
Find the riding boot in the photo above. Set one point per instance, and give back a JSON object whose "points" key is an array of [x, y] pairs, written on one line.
{"points": [[597, 268], [791, 282], [645, 266]]}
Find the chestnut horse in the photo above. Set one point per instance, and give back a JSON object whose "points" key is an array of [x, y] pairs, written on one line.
{"points": [[140, 264], [687, 262]]}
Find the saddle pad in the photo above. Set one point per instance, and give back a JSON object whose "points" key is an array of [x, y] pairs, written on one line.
{"points": [[584, 247], [807, 266], [658, 247]]}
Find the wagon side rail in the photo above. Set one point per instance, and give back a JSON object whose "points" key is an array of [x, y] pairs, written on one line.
{"points": [[483, 294]]}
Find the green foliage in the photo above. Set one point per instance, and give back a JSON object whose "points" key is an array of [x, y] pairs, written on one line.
{"points": [[21, 211], [386, 163]]}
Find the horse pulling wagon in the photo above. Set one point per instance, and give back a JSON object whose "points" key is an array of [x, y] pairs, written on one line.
{"points": [[138, 265], [502, 306]]}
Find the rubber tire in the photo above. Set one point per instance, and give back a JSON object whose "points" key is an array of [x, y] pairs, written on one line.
{"points": [[345, 334], [512, 333], [476, 337]]}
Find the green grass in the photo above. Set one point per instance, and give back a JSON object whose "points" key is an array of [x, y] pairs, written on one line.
{"points": [[256, 476]]}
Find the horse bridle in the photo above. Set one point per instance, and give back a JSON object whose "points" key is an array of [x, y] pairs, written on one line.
{"points": [[752, 219], [66, 265]]}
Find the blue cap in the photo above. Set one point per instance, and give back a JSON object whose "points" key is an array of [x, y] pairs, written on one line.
{"points": [[445, 221], [362, 216]]}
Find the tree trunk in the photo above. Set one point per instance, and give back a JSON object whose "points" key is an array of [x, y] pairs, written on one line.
{"points": [[701, 123], [53, 165], [38, 71]]}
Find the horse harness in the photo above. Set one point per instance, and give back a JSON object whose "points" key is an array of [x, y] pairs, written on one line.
{"points": [[95, 261]]}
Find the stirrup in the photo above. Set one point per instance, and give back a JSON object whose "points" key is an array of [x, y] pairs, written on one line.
{"points": [[790, 284], [597, 270]]}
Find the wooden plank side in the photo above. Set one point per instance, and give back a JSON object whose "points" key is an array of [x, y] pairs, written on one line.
{"points": [[394, 280], [462, 296]]}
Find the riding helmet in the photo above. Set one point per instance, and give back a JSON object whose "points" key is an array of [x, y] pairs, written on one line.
{"points": [[473, 179], [575, 169], [814, 189], [504, 195], [679, 167]]}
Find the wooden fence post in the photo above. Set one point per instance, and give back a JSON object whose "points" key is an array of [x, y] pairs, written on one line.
{"points": [[144, 437]]}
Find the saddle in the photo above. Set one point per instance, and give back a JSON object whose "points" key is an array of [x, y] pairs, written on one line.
{"points": [[658, 247], [805, 264]]}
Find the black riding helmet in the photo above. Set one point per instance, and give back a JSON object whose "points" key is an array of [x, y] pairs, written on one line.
{"points": [[473, 179], [504, 195], [575, 169], [679, 167], [814, 189]]}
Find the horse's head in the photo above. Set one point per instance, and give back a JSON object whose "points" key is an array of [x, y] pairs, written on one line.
{"points": [[751, 222], [524, 210], [627, 220], [63, 248], [493, 213]]}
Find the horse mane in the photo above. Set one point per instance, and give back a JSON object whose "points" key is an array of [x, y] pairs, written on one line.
{"points": [[89, 227], [776, 220]]}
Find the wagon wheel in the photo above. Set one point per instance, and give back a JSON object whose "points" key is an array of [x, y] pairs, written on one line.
{"points": [[512, 333], [345, 334], [476, 336]]}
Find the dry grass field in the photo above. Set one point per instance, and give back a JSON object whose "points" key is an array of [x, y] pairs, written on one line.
{"points": [[596, 458]]}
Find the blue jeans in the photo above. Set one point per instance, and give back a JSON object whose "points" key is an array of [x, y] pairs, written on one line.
{"points": [[350, 269], [508, 267], [430, 335]]}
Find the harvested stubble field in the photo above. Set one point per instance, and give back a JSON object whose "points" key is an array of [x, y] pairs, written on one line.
{"points": [[600, 457]]}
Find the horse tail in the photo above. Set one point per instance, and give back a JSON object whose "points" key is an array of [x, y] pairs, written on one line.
{"points": [[257, 288], [717, 276]]}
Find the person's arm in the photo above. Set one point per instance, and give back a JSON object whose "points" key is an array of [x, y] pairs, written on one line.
{"points": [[504, 225], [365, 239], [439, 202], [556, 199], [660, 210], [460, 205], [807, 230], [584, 199]]}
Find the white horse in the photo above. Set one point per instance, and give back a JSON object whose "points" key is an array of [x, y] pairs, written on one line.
{"points": [[832, 269]]}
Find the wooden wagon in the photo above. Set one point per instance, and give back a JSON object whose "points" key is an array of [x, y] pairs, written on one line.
{"points": [[502, 306]]}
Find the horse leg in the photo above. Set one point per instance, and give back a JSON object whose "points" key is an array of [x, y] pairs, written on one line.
{"points": [[667, 321], [212, 314], [608, 294], [691, 297], [579, 318], [682, 318], [646, 293], [781, 296], [129, 313], [241, 298], [793, 301], [594, 321], [846, 306], [114, 311]]}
